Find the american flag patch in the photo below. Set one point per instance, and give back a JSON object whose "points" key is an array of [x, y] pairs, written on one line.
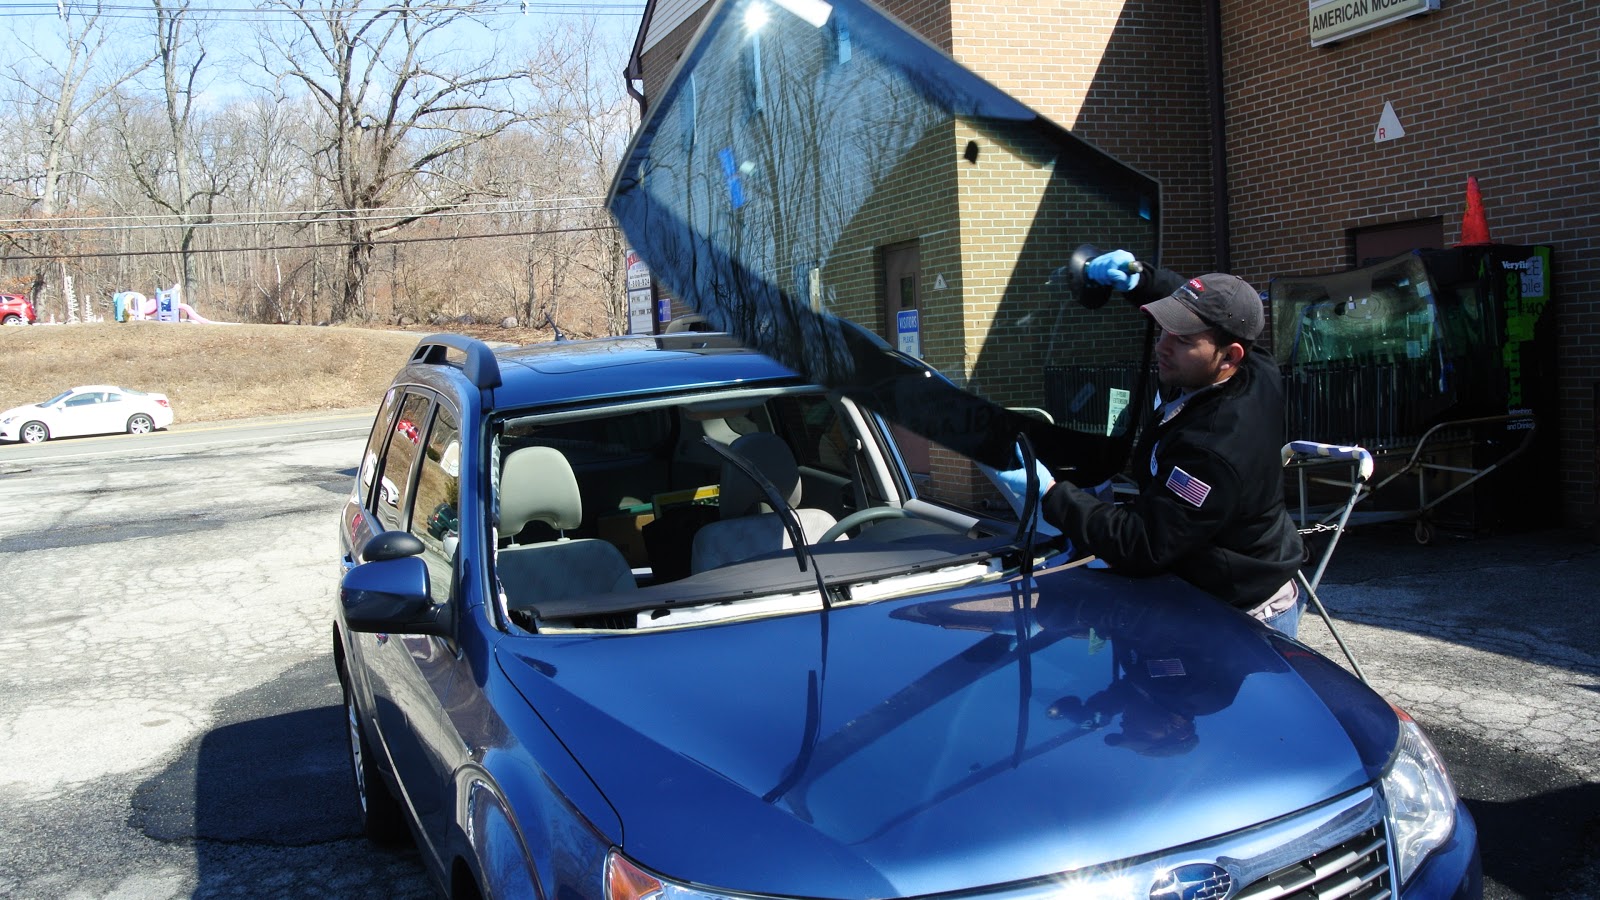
{"points": [[1187, 486]]}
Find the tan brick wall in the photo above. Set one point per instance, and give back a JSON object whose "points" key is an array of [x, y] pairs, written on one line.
{"points": [[1125, 75], [1502, 90]]}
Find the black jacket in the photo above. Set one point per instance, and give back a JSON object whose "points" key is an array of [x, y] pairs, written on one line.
{"points": [[1210, 504]]}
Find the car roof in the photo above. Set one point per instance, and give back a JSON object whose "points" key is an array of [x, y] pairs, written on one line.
{"points": [[561, 372]]}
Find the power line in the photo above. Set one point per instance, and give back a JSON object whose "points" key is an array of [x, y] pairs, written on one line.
{"points": [[315, 245], [271, 13], [300, 217]]}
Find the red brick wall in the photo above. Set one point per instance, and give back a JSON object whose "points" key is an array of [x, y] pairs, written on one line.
{"points": [[1501, 90], [929, 18], [658, 63]]}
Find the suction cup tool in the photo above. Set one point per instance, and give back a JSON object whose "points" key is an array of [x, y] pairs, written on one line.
{"points": [[1074, 277]]}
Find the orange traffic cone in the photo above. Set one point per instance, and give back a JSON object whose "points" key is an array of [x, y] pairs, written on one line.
{"points": [[1474, 226]]}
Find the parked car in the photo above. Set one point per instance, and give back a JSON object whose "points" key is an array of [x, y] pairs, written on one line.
{"points": [[678, 645], [89, 409], [16, 309]]}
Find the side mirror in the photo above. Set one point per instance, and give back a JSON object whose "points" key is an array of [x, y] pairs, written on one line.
{"points": [[391, 545], [392, 595]]}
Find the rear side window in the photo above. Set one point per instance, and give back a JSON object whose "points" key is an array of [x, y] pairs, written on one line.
{"points": [[399, 463], [369, 459], [437, 520]]}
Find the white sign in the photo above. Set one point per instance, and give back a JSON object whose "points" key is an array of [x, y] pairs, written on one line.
{"points": [[1389, 126], [639, 309], [1335, 20], [1117, 402], [167, 305], [638, 272]]}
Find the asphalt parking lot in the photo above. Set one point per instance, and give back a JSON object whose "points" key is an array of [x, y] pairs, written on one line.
{"points": [[170, 725], [1493, 644]]}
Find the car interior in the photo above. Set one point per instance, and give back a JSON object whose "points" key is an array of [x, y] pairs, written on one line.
{"points": [[628, 516]]}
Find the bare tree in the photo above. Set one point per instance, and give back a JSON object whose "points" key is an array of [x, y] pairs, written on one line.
{"points": [[588, 122], [62, 89], [398, 108], [273, 143], [179, 172]]}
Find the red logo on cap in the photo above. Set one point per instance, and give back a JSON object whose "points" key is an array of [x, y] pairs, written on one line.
{"points": [[1196, 285]]}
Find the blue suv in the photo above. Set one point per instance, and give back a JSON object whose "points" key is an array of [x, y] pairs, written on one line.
{"points": [[700, 617], [656, 617]]}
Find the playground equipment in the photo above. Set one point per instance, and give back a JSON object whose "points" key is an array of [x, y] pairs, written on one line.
{"points": [[132, 306]]}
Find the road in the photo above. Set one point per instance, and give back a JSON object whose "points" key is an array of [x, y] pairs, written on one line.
{"points": [[170, 725]]}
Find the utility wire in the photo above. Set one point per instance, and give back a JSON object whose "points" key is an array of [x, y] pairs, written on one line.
{"points": [[272, 14], [312, 246], [312, 211], [122, 223]]}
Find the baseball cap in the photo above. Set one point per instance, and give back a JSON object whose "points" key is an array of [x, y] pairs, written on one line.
{"points": [[1210, 301]]}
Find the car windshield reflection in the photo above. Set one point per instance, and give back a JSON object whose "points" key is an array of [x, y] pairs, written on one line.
{"points": [[841, 196]]}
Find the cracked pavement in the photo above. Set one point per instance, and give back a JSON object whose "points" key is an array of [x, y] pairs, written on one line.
{"points": [[171, 723]]}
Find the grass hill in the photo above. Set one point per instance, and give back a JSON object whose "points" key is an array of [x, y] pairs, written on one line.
{"points": [[209, 372]]}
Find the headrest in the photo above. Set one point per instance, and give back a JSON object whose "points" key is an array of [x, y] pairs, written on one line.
{"points": [[771, 457], [537, 485]]}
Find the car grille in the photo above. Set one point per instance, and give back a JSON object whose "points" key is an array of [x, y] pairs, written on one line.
{"points": [[1337, 849], [1357, 869]]}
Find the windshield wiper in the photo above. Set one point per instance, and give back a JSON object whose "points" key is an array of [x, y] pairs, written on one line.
{"points": [[780, 505], [1028, 521]]}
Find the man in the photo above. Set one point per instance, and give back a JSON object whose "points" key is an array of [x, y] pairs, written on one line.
{"points": [[1208, 465]]}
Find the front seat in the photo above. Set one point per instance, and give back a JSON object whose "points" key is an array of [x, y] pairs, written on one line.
{"points": [[537, 485], [748, 526]]}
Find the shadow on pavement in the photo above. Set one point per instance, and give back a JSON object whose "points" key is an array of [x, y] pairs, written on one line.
{"points": [[266, 799]]}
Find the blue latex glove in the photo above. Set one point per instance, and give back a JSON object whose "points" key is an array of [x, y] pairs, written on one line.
{"points": [[1109, 269], [1014, 482]]}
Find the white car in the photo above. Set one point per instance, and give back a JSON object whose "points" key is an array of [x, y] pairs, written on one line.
{"points": [[89, 409]]}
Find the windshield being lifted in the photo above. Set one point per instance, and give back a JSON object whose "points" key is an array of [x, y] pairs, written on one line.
{"points": [[841, 196]]}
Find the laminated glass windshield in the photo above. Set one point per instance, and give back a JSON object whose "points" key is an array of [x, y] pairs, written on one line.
{"points": [[838, 194]]}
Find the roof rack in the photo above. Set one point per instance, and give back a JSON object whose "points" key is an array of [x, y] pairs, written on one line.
{"points": [[480, 366]]}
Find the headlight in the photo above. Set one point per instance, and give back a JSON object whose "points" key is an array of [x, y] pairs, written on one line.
{"points": [[1421, 800], [626, 880]]}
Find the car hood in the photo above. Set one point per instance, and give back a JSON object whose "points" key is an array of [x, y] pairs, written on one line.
{"points": [[938, 744]]}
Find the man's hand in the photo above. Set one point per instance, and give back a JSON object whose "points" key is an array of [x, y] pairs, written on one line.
{"points": [[1014, 482], [1111, 269]]}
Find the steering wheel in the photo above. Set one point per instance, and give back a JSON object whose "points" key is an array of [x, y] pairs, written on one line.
{"points": [[861, 517]]}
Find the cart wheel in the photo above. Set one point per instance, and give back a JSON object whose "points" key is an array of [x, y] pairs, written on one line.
{"points": [[1424, 532]]}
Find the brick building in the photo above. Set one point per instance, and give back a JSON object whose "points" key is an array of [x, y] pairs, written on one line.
{"points": [[1267, 148]]}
